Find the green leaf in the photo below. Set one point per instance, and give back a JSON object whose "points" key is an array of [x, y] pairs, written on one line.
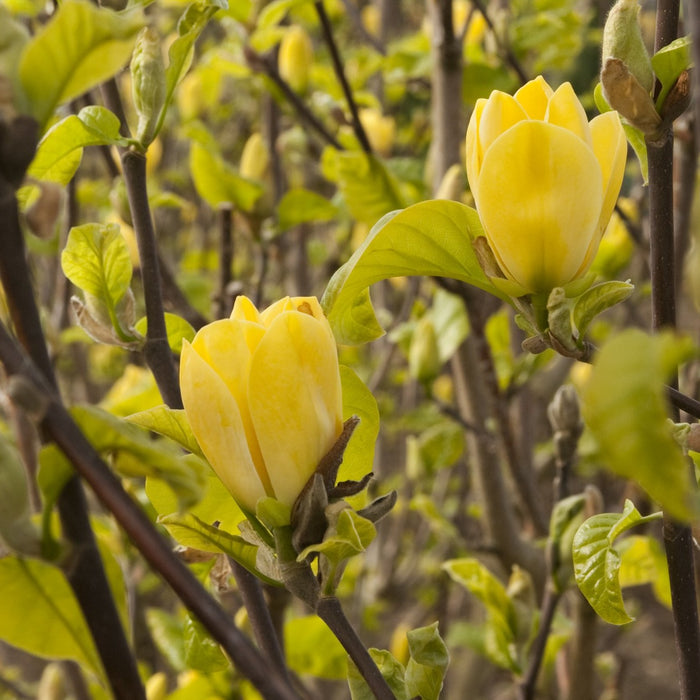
{"points": [[313, 650], [189, 27], [597, 299], [427, 666], [597, 562], [202, 653], [166, 631], [429, 238], [217, 183], [634, 135], [353, 534], [274, 12], [169, 422], [644, 561], [192, 532], [624, 407], [80, 47], [567, 516], [96, 259], [41, 615], [389, 667], [668, 63], [368, 188], [358, 401], [60, 150], [176, 327], [501, 622], [300, 206], [450, 322]]}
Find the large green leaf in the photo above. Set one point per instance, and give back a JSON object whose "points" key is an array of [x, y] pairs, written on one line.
{"points": [[597, 562], [431, 238], [358, 401], [625, 409], [300, 206], [501, 620], [60, 150], [41, 614], [80, 47]]}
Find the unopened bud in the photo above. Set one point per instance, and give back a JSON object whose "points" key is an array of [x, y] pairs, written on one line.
{"points": [[423, 356], [622, 39], [380, 130], [295, 57], [157, 686], [148, 84], [255, 158], [564, 412]]}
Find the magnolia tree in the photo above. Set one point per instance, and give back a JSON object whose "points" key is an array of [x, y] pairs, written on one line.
{"points": [[196, 497]]}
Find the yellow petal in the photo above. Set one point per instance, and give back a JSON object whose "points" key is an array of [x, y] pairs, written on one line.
{"points": [[610, 148], [274, 310], [312, 307], [295, 400], [565, 110], [534, 96], [215, 419], [500, 113], [473, 155], [244, 310], [540, 195]]}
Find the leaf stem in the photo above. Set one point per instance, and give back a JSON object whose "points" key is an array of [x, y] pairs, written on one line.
{"points": [[330, 611]]}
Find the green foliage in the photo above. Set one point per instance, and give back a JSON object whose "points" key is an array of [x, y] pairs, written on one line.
{"points": [[597, 562], [202, 653], [176, 327], [668, 63], [81, 46], [300, 206], [500, 630], [312, 649], [60, 150], [44, 617], [430, 238], [624, 408], [644, 561]]}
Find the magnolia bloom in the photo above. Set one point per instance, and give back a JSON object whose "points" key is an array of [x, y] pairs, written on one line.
{"points": [[261, 392], [544, 180]]}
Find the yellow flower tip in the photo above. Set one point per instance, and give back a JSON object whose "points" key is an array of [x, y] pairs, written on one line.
{"points": [[544, 180]]}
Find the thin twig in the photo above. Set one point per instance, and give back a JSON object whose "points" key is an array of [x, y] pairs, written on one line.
{"points": [[342, 79], [223, 306], [58, 424]]}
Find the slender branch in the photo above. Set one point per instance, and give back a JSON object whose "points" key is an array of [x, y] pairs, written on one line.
{"points": [[583, 650], [342, 79], [259, 63], [58, 424], [260, 619], [678, 539], [356, 17], [330, 611], [86, 574], [223, 306]]}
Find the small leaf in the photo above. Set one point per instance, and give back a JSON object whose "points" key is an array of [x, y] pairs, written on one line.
{"points": [[427, 666], [668, 63], [300, 206], [43, 617], [429, 238], [624, 407], [358, 401], [60, 150], [305, 637], [644, 561], [392, 671], [202, 653], [190, 531], [501, 626], [597, 299], [176, 327], [450, 321], [169, 422], [166, 631], [80, 47], [597, 562], [217, 183], [352, 535]]}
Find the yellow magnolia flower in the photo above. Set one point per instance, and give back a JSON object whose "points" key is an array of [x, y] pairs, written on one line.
{"points": [[261, 391], [544, 180]]}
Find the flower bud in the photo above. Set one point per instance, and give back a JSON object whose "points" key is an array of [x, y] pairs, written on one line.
{"points": [[622, 39], [262, 394], [255, 158], [423, 355], [295, 57], [380, 130], [148, 83], [545, 182]]}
